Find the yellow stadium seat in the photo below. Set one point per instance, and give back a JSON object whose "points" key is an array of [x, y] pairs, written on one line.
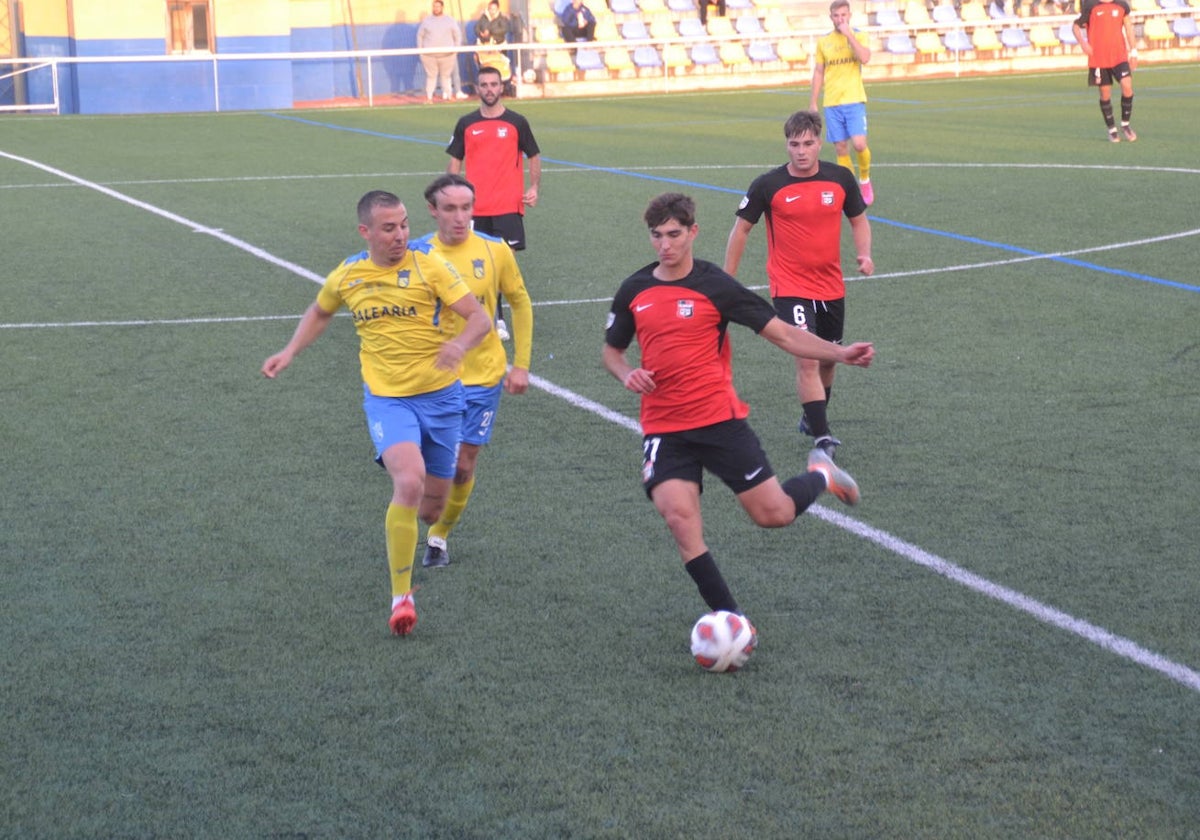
{"points": [[916, 14], [606, 30], [720, 26], [617, 60], [1157, 32], [675, 57], [662, 29], [547, 33], [732, 54], [929, 45], [559, 62], [793, 51], [1043, 37], [973, 11]]}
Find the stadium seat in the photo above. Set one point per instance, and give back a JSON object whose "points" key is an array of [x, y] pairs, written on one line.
{"points": [[675, 57], [1185, 28], [916, 13], [888, 17], [776, 23], [617, 60], [762, 52], [624, 7], [547, 33], [587, 58], [606, 30], [973, 11], [646, 57], [560, 63], [900, 44], [1066, 35], [792, 50], [1173, 4], [651, 7], [958, 41], [682, 6], [720, 26], [748, 24], [985, 40], [1014, 37], [733, 54], [635, 30], [739, 5], [704, 55], [944, 13], [691, 28], [929, 45], [1043, 37], [662, 29], [1157, 32]]}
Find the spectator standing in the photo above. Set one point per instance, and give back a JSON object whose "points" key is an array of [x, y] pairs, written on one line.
{"points": [[439, 30], [837, 66]]}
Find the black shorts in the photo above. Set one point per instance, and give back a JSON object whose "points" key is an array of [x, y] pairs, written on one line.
{"points": [[729, 450], [510, 227], [1104, 76], [823, 318]]}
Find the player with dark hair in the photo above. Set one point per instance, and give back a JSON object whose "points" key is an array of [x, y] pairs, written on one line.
{"points": [[489, 267], [804, 201], [412, 396], [492, 143], [1105, 33], [679, 310]]}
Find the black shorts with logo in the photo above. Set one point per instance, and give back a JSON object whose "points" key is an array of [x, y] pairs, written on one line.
{"points": [[729, 450], [510, 227], [1104, 76], [823, 318]]}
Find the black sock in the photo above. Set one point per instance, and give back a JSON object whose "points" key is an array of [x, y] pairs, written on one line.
{"points": [[1107, 112], [713, 590], [1126, 109], [818, 423], [804, 489]]}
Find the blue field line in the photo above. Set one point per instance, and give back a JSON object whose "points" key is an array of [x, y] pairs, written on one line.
{"points": [[662, 179]]}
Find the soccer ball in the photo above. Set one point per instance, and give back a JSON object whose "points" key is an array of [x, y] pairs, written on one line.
{"points": [[723, 641]]}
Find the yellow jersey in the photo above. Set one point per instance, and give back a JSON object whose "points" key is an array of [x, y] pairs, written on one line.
{"points": [[400, 315], [843, 72], [489, 267]]}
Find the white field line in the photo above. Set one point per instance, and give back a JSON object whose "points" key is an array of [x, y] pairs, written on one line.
{"points": [[1122, 647]]}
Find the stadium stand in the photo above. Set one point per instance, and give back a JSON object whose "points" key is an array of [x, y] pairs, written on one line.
{"points": [[1185, 28], [958, 41]]}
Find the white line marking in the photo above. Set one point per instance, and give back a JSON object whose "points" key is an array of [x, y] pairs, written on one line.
{"points": [[1105, 639]]}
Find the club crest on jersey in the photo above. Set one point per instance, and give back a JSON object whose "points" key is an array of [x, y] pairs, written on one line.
{"points": [[402, 278], [827, 198], [685, 308], [502, 132], [477, 269]]}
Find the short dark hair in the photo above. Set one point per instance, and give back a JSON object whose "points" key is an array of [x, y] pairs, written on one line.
{"points": [[667, 206], [450, 179], [837, 4], [802, 122], [488, 69], [373, 199]]}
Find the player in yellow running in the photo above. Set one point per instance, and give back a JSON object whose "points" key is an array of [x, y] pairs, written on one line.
{"points": [[410, 360], [837, 65], [489, 267]]}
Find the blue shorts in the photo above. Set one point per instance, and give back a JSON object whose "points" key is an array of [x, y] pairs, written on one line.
{"points": [[845, 121], [433, 421], [482, 404]]}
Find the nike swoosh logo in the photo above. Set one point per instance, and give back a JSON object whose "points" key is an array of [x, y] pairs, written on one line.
{"points": [[789, 199], [751, 475], [480, 131], [642, 306]]}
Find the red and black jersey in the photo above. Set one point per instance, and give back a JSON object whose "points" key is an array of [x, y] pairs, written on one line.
{"points": [[804, 228], [681, 326], [493, 151], [1105, 26]]}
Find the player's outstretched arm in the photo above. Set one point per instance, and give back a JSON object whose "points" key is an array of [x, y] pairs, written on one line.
{"points": [[797, 342], [312, 324]]}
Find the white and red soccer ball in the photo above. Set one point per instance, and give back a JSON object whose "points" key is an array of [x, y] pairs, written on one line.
{"points": [[723, 641]]}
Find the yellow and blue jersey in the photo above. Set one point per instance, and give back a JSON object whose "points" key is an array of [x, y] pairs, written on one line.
{"points": [[400, 315], [489, 267], [843, 72]]}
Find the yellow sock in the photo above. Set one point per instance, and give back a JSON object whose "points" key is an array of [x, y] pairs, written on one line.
{"points": [[844, 160], [459, 494], [864, 165], [401, 526]]}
